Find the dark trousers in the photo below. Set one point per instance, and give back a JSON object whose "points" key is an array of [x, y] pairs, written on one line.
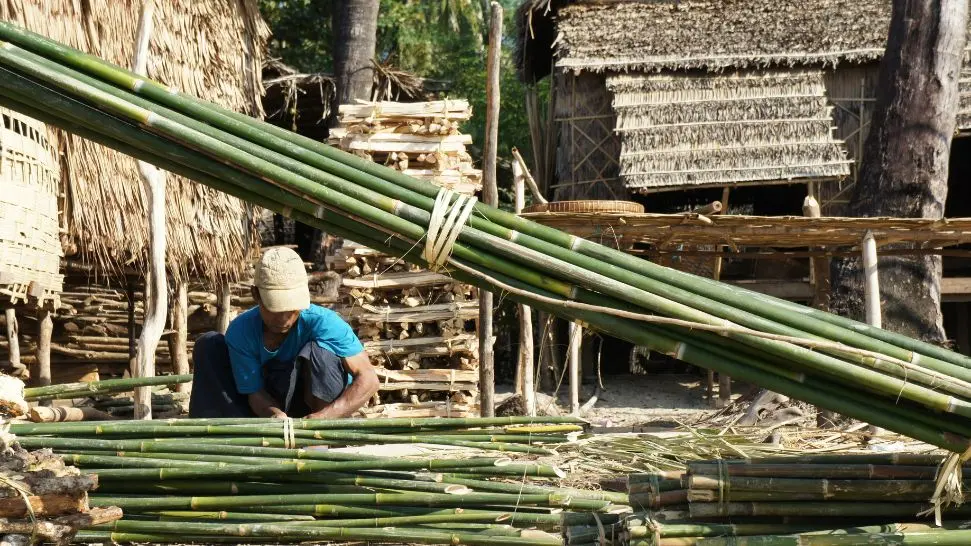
{"points": [[315, 371]]}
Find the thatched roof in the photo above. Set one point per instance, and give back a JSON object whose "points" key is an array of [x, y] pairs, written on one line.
{"points": [[211, 49], [653, 35], [712, 130]]}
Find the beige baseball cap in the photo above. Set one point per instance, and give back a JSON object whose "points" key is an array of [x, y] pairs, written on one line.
{"points": [[282, 281]]}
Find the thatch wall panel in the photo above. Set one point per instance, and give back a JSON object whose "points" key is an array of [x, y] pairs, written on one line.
{"points": [[213, 50], [701, 129]]}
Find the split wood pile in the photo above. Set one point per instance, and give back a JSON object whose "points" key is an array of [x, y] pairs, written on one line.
{"points": [[420, 139], [418, 328], [415, 324], [40, 496]]}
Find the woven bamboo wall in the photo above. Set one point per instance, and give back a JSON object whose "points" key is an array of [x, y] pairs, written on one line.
{"points": [[30, 247]]}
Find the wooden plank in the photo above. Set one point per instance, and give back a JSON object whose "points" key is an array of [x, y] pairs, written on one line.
{"points": [[398, 280], [953, 289]]}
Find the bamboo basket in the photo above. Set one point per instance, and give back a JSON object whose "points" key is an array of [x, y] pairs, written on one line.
{"points": [[30, 247]]}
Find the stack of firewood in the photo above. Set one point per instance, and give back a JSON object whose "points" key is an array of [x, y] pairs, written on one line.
{"points": [[418, 327], [420, 139], [41, 497]]}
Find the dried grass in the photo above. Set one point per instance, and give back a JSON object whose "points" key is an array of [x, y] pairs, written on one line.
{"points": [[212, 50]]}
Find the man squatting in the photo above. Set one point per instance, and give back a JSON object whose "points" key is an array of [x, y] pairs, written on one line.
{"points": [[283, 358]]}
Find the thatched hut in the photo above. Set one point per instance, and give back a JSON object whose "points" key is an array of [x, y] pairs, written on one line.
{"points": [[213, 50], [660, 95]]}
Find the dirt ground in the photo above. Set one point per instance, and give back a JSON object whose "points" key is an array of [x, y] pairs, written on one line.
{"points": [[634, 403]]}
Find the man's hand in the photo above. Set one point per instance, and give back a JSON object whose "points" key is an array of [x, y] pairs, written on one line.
{"points": [[264, 405], [363, 387]]}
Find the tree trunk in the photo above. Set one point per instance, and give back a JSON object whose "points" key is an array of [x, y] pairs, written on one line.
{"points": [[156, 291], [905, 160], [355, 34]]}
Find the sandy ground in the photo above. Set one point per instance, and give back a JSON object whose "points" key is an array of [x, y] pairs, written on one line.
{"points": [[632, 403]]}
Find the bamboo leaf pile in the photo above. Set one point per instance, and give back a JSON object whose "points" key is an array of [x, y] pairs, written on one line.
{"points": [[213, 480], [821, 500], [889, 380]]}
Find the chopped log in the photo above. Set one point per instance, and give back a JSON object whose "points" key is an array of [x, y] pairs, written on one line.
{"points": [[43, 414], [44, 505]]}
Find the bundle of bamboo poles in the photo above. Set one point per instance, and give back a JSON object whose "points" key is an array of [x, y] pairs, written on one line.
{"points": [[884, 378], [824, 500], [212, 480]]}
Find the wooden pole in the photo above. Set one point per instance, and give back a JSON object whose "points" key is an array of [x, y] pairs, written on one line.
{"points": [[178, 341], [156, 292], [573, 366], [525, 363], [490, 196], [45, 327], [130, 294], [724, 381], [13, 339], [871, 286], [225, 306]]}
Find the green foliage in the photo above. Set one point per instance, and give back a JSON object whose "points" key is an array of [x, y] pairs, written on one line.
{"points": [[302, 33]]}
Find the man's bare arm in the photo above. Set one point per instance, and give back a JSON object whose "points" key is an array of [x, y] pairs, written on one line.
{"points": [[353, 398], [263, 405]]}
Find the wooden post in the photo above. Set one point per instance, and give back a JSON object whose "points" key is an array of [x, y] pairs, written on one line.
{"points": [[871, 283], [573, 366], [45, 327], [156, 300], [819, 279], [225, 306], [724, 381], [13, 339], [178, 341], [490, 196], [525, 363]]}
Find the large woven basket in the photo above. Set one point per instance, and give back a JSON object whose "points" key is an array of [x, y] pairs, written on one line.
{"points": [[30, 246]]}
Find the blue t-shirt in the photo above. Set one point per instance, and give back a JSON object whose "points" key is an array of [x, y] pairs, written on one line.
{"points": [[247, 354]]}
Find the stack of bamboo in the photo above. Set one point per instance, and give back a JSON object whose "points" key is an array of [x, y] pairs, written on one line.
{"points": [[41, 497], [420, 139], [206, 480], [883, 378], [808, 500], [415, 324]]}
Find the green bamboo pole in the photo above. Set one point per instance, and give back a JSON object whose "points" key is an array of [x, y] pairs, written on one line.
{"points": [[218, 488], [878, 459], [503, 487], [288, 532], [106, 537], [618, 289], [186, 515], [825, 486], [78, 390], [375, 499]]}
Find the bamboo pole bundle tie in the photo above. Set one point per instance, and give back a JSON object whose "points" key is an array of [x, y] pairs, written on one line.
{"points": [[447, 220], [289, 436]]}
